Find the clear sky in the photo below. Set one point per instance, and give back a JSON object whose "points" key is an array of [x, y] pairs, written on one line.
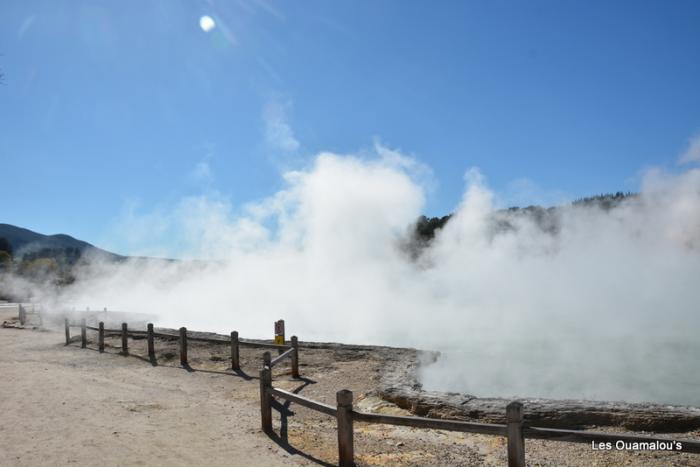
{"points": [[109, 105]]}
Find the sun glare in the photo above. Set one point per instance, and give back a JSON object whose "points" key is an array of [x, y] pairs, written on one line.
{"points": [[207, 23]]}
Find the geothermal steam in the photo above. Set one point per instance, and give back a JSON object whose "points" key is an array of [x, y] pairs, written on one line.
{"points": [[604, 306]]}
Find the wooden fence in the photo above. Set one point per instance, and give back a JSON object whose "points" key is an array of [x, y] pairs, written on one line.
{"points": [[515, 430], [286, 351], [24, 314]]}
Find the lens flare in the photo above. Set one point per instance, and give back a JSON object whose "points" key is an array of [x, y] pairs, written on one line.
{"points": [[207, 23]]}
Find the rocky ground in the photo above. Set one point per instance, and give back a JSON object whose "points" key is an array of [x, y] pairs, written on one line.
{"points": [[400, 385], [66, 405]]}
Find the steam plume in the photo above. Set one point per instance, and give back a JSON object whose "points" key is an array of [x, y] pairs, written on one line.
{"points": [[602, 304]]}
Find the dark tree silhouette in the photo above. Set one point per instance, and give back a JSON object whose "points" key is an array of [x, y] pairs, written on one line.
{"points": [[5, 246]]}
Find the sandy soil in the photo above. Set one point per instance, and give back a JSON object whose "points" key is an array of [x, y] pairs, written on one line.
{"points": [[67, 406], [63, 405]]}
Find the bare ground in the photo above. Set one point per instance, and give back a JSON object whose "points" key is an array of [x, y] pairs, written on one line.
{"points": [[63, 405]]}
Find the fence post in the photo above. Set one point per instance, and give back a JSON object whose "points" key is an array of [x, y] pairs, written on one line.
{"points": [[295, 357], [516, 440], [67, 331], [183, 346], [22, 315], [125, 342], [83, 334], [265, 396], [346, 450], [151, 345], [267, 361], [101, 337], [235, 356]]}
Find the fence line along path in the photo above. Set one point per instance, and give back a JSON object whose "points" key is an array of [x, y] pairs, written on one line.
{"points": [[515, 429], [183, 336]]}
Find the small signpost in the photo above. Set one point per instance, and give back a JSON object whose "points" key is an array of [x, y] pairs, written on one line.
{"points": [[279, 332]]}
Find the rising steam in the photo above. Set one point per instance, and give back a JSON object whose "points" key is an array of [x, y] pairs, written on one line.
{"points": [[600, 304]]}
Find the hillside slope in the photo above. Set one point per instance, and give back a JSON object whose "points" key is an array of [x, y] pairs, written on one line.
{"points": [[25, 242]]}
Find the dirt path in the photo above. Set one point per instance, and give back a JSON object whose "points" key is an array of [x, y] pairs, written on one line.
{"points": [[67, 406]]}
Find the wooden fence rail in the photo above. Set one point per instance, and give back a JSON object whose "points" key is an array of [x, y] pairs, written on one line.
{"points": [[292, 353], [183, 337], [282, 356], [306, 402], [432, 423], [514, 430]]}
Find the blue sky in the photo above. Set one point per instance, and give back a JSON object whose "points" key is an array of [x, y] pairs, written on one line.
{"points": [[109, 104]]}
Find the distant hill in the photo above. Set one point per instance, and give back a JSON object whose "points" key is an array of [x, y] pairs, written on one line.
{"points": [[28, 244], [51, 260]]}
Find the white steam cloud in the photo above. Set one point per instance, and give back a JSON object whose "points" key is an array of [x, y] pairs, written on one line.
{"points": [[604, 306], [278, 132], [692, 152]]}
